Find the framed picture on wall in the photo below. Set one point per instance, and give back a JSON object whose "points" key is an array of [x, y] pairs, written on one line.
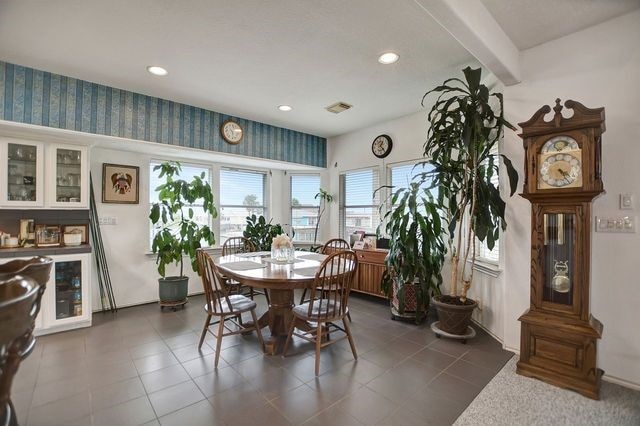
{"points": [[120, 184]]}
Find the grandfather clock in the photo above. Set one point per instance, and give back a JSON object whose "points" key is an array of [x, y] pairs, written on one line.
{"points": [[562, 177]]}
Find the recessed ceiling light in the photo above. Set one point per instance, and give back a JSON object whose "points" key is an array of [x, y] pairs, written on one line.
{"points": [[157, 70], [388, 58], [284, 108]]}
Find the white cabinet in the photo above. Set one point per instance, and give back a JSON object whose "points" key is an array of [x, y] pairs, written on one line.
{"points": [[67, 177], [22, 173], [27, 181]]}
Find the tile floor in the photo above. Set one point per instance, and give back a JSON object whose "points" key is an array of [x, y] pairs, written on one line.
{"points": [[142, 366]]}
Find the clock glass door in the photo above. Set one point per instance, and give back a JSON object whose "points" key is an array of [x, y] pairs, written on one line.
{"points": [[558, 258]]}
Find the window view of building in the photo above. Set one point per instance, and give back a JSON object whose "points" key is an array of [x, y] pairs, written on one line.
{"points": [[359, 201], [304, 206], [187, 174], [242, 194]]}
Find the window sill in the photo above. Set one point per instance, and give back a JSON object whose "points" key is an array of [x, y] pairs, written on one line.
{"points": [[487, 268], [214, 249]]}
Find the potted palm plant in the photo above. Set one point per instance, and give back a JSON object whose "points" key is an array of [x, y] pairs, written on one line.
{"points": [[176, 233], [466, 123], [416, 251]]}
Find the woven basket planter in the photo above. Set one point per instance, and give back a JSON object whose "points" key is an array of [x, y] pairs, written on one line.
{"points": [[454, 316]]}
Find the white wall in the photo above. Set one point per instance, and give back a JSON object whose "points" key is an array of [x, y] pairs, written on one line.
{"points": [[132, 268], [599, 66]]}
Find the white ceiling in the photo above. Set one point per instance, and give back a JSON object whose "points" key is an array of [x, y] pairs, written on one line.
{"points": [[246, 57], [532, 22]]}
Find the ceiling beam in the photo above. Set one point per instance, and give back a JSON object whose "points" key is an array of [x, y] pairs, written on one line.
{"points": [[469, 22]]}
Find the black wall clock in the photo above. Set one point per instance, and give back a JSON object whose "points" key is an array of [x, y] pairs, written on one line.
{"points": [[381, 146]]}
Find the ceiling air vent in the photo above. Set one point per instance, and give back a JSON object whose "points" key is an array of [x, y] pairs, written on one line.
{"points": [[338, 107]]}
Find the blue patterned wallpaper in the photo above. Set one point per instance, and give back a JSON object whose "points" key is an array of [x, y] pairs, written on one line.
{"points": [[45, 99]]}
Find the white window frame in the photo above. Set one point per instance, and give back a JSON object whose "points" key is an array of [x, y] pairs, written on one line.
{"points": [[491, 265], [155, 162]]}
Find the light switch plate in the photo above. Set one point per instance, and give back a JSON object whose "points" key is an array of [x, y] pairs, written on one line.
{"points": [[626, 202], [617, 224]]}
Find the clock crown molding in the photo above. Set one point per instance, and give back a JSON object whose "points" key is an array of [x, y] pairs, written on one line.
{"points": [[582, 117]]}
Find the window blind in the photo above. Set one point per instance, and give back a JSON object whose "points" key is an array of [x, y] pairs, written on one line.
{"points": [[359, 201], [304, 206], [242, 194]]}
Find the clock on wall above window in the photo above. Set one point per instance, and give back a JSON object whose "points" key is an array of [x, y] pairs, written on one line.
{"points": [[381, 146], [231, 132]]}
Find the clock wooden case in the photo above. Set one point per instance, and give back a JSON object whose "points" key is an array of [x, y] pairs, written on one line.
{"points": [[562, 177]]}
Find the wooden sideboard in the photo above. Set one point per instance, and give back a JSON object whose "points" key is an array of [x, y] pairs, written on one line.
{"points": [[370, 269]]}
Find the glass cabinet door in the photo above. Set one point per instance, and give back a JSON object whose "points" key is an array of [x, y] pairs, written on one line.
{"points": [[558, 258], [68, 289], [22, 181], [68, 185]]}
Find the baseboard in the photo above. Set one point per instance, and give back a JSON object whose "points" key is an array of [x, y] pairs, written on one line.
{"points": [[131, 305]]}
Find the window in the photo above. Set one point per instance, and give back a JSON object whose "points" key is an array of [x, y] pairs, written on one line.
{"points": [[401, 175], [304, 206], [359, 202], [482, 251], [187, 174], [242, 193]]}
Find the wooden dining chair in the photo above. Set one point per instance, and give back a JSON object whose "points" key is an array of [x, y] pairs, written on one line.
{"points": [[240, 245], [220, 303], [329, 304], [332, 246]]}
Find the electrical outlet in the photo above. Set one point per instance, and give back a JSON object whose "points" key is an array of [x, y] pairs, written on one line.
{"points": [[626, 202]]}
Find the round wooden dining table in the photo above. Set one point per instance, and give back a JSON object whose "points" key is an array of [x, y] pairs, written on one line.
{"points": [[279, 280]]}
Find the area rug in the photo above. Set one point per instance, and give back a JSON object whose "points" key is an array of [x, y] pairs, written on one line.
{"points": [[511, 399]]}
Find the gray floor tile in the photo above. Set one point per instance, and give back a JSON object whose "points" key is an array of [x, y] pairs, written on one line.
{"points": [[164, 378], [116, 393], [61, 411], [175, 397], [130, 413], [367, 406], [198, 414], [155, 362]]}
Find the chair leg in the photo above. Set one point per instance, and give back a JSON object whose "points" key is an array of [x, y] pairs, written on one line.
{"points": [[304, 293], [219, 340], [266, 296], [350, 337], [251, 293], [257, 327], [289, 336], [318, 347], [349, 316], [204, 330]]}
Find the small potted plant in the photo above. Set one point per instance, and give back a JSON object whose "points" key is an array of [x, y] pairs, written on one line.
{"points": [[260, 232], [416, 251], [176, 232], [466, 123]]}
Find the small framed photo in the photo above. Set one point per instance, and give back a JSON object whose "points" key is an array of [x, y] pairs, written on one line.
{"points": [[47, 235], [78, 229], [358, 245], [120, 184]]}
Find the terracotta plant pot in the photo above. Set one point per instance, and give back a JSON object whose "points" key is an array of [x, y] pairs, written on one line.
{"points": [[454, 316]]}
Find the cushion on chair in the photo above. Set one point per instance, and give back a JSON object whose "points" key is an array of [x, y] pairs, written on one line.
{"points": [[238, 302], [319, 309]]}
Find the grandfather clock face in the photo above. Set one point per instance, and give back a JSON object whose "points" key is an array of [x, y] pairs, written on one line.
{"points": [[560, 164]]}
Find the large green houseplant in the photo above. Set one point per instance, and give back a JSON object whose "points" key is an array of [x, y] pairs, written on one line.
{"points": [[466, 124], [416, 251], [176, 233]]}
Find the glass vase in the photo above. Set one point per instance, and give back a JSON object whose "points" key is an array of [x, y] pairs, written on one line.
{"points": [[283, 255]]}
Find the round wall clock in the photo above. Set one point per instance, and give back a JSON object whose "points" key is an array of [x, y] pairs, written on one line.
{"points": [[231, 132], [381, 146]]}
